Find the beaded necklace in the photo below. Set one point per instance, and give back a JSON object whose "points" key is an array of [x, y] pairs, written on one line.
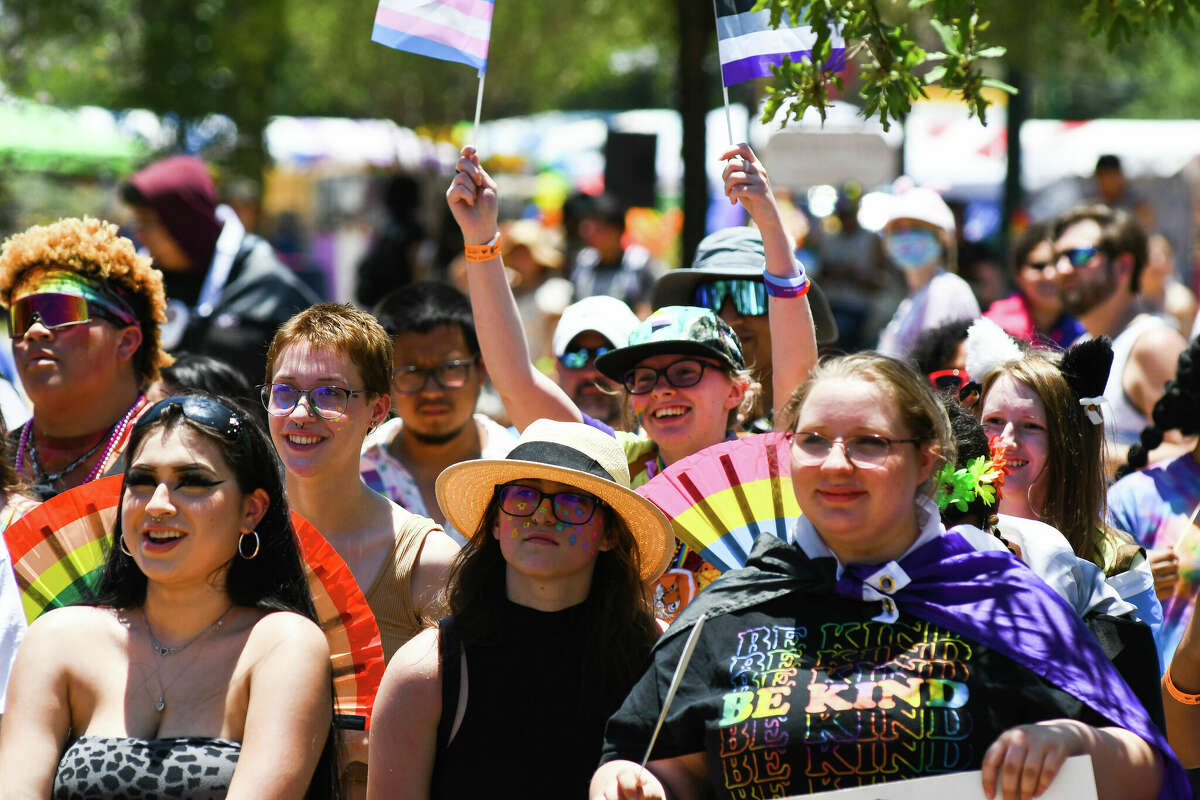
{"points": [[114, 437]]}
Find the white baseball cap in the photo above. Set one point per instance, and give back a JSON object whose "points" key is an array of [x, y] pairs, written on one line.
{"points": [[924, 205], [605, 315]]}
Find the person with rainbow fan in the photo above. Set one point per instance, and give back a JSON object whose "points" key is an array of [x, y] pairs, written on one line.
{"points": [[84, 314], [683, 371]]}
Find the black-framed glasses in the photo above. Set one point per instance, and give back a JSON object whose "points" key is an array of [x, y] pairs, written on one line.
{"points": [[580, 357], [327, 402], [866, 451], [1078, 256], [204, 411], [570, 508], [680, 374], [451, 375], [749, 296]]}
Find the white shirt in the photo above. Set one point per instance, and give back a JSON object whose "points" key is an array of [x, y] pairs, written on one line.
{"points": [[12, 621]]}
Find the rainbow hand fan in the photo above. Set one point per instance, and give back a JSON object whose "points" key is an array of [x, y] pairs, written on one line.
{"points": [[59, 548], [721, 498]]}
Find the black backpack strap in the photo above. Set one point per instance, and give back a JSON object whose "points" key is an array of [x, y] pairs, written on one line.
{"points": [[450, 658]]}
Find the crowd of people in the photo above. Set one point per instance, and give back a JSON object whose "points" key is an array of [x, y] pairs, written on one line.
{"points": [[994, 568]]}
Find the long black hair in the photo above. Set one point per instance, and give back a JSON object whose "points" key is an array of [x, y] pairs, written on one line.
{"points": [[274, 579], [622, 625], [1175, 410]]}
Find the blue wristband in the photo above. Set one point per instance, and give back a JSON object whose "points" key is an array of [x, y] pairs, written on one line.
{"points": [[795, 286]]}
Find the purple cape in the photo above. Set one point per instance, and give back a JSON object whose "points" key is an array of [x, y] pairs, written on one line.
{"points": [[989, 597]]}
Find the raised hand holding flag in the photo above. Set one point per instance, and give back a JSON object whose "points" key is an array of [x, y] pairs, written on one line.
{"points": [[451, 30]]}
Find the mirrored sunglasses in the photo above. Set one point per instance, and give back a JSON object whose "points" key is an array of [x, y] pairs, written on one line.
{"points": [[1079, 256], [53, 310], [580, 357], [749, 296]]}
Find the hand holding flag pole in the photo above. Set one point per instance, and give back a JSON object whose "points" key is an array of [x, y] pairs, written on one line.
{"points": [[452, 30]]}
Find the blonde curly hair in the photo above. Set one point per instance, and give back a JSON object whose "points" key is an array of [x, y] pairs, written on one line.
{"points": [[93, 248]]}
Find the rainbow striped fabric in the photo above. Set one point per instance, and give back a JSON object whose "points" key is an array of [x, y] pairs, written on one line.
{"points": [[748, 46], [452, 30], [720, 499]]}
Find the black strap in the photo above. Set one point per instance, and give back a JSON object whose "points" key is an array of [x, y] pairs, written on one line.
{"points": [[450, 658]]}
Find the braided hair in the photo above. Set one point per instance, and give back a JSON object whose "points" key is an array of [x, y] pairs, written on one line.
{"points": [[1175, 410]]}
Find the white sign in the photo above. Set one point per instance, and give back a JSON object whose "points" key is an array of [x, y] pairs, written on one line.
{"points": [[1075, 781]]}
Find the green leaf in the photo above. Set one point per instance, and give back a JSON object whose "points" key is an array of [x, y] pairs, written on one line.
{"points": [[993, 83]]}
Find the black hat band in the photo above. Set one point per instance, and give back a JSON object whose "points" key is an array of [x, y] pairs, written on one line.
{"points": [[559, 455]]}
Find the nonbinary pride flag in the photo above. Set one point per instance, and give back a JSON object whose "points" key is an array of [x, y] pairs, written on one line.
{"points": [[749, 46], [452, 30]]}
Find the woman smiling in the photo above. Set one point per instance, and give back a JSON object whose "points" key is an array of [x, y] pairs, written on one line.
{"points": [[874, 645], [199, 671]]}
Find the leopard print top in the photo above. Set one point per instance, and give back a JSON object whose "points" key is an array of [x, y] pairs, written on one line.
{"points": [[108, 768]]}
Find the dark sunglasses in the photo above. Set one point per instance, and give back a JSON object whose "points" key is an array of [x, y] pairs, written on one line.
{"points": [[570, 508], [204, 411], [55, 310], [1079, 256], [451, 375], [949, 380], [329, 402], [749, 296], [580, 357]]}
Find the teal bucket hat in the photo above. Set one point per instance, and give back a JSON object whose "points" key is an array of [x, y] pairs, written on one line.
{"points": [[675, 330]]}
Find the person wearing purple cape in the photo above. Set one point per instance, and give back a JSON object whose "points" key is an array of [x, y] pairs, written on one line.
{"points": [[874, 645]]}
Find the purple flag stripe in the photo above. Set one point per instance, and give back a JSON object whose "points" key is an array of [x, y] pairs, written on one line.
{"points": [[747, 69]]}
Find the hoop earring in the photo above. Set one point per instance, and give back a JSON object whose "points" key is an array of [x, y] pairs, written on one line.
{"points": [[257, 542], [124, 547]]}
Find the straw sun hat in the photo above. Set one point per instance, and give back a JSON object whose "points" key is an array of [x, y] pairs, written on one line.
{"points": [[571, 453]]}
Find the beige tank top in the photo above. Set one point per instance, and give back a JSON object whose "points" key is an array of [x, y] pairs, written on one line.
{"points": [[390, 596]]}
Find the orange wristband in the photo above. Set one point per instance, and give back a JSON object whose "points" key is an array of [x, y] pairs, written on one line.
{"points": [[484, 252], [1177, 693]]}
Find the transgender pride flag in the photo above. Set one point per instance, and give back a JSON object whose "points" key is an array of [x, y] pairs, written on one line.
{"points": [[748, 46], [452, 30]]}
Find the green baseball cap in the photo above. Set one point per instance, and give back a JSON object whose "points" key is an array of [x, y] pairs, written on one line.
{"points": [[675, 330]]}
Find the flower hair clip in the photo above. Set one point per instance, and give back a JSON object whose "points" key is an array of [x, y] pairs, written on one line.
{"points": [[982, 478]]}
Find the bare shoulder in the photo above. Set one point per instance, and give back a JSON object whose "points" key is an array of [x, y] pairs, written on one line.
{"points": [[71, 622], [438, 549], [416, 665], [290, 632], [1159, 343]]}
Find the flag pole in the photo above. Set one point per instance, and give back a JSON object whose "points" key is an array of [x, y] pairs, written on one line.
{"points": [[724, 88], [478, 109]]}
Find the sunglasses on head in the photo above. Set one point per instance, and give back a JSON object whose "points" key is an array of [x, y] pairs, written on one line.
{"points": [[949, 380], [749, 297], [203, 411], [55, 311], [580, 357]]}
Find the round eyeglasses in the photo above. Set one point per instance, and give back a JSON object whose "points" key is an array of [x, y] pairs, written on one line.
{"points": [[867, 451], [326, 402]]}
